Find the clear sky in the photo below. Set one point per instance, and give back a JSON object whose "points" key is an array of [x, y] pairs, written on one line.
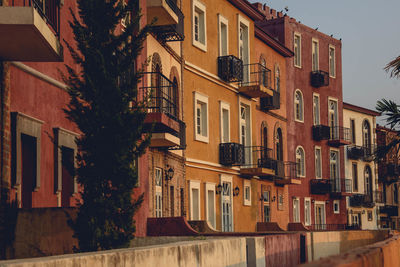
{"points": [[370, 33]]}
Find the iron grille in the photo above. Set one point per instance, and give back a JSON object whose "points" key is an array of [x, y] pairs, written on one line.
{"points": [[320, 132], [320, 186], [285, 170], [356, 200], [270, 102], [338, 133], [341, 185], [319, 78], [333, 227], [231, 154], [390, 210], [256, 75], [355, 152], [172, 32], [230, 68]]}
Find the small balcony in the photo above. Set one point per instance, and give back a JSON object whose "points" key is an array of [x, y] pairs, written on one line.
{"points": [[230, 68], [389, 172], [339, 136], [270, 102], [256, 81], [258, 161], [30, 31], [320, 186], [390, 210], [231, 154], [319, 78], [160, 97], [355, 152], [341, 187], [321, 132], [170, 20], [286, 173]]}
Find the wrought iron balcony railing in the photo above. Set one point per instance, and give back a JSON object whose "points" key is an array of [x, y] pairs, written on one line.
{"points": [[160, 94], [230, 68], [285, 170], [320, 132], [319, 78], [270, 102], [361, 152], [390, 210], [258, 161], [256, 75], [332, 227], [339, 135], [171, 32], [341, 185], [49, 10], [320, 186], [231, 154]]}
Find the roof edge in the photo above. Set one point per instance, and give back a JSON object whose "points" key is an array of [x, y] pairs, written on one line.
{"points": [[360, 109]]}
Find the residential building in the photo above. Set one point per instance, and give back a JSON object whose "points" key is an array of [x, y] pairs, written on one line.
{"points": [[315, 135], [389, 173], [361, 168]]}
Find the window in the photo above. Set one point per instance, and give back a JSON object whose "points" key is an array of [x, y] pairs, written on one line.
{"points": [[300, 162], [225, 122], [366, 134], [368, 181], [355, 177], [298, 106], [158, 192], [201, 117], [297, 50], [353, 131], [316, 119], [223, 35], [267, 213], [333, 120], [194, 192], [336, 206], [210, 203], [245, 130], [296, 209], [307, 211], [199, 25], [277, 79], [247, 193], [244, 48], [332, 62], [318, 163], [315, 55], [280, 201], [334, 168]]}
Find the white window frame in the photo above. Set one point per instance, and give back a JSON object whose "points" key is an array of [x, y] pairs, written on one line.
{"points": [[337, 162], [158, 212], [193, 184], [334, 61], [296, 212], [202, 8], [336, 201], [246, 184], [279, 197], [242, 20], [200, 98], [317, 116], [320, 167], [307, 216], [228, 179], [304, 161], [210, 187], [296, 34], [223, 20], [315, 211], [245, 102], [301, 119], [224, 105], [312, 54]]}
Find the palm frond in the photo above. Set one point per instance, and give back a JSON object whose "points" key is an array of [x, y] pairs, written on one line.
{"points": [[393, 67], [391, 110]]}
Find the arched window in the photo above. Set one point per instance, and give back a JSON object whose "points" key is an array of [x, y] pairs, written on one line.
{"points": [[298, 106], [156, 84], [300, 162], [368, 180], [277, 79], [174, 99], [279, 145], [264, 140], [366, 130], [264, 72]]}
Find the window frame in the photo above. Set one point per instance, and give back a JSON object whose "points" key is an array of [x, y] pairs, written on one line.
{"points": [[315, 95], [336, 201], [193, 184], [315, 156], [246, 23], [307, 215], [200, 98], [314, 41], [296, 211], [224, 106], [301, 104], [246, 184], [354, 177], [278, 78], [197, 5], [353, 131], [210, 187], [223, 20], [303, 162], [158, 192], [334, 61], [296, 34]]}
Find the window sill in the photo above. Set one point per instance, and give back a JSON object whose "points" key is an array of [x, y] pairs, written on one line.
{"points": [[199, 45], [201, 138]]}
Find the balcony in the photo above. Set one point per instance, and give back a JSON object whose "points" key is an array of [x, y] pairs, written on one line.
{"points": [[341, 187], [362, 200], [30, 31], [258, 161], [320, 186], [286, 173], [389, 172], [390, 210], [270, 102], [230, 68], [321, 132], [231, 154], [170, 20], [339, 136], [355, 152], [256, 81], [160, 98], [319, 78]]}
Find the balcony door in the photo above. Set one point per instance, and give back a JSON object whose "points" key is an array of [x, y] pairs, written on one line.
{"points": [[366, 136], [334, 170], [158, 207], [368, 181], [244, 50], [320, 220], [227, 206], [264, 142], [244, 124], [333, 119]]}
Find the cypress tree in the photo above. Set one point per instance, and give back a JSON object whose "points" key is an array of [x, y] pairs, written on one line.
{"points": [[103, 89]]}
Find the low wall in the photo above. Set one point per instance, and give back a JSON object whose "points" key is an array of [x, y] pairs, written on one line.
{"points": [[209, 253], [385, 253], [323, 244]]}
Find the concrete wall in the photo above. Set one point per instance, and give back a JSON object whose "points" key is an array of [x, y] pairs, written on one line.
{"points": [[202, 253], [323, 244]]}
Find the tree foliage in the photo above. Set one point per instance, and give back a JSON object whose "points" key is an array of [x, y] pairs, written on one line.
{"points": [[394, 67], [103, 90]]}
